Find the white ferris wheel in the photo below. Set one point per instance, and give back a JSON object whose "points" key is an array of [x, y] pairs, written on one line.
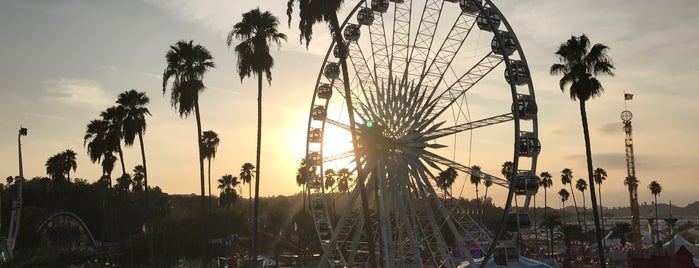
{"points": [[413, 64]]}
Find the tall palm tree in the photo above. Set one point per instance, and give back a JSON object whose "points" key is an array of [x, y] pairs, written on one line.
{"points": [[247, 172], [600, 175], [567, 178], [581, 185], [487, 183], [100, 145], [655, 189], [186, 65], [476, 180], [621, 230], [209, 144], [580, 64], [631, 183], [507, 170], [545, 180], [564, 194], [134, 103], [256, 30], [115, 117]]}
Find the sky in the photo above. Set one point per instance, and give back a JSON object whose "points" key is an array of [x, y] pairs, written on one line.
{"points": [[62, 62]]}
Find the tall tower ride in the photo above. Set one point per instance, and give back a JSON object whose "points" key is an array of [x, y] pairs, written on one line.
{"points": [[631, 180]]}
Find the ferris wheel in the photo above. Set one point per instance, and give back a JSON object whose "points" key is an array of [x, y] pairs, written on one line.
{"points": [[418, 72]]}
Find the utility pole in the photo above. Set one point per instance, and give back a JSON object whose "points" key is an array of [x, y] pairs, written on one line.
{"points": [[17, 204]]}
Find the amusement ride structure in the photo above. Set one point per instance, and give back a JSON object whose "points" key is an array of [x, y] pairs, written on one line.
{"points": [[413, 64]]}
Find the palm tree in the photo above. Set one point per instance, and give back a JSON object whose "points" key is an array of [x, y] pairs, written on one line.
{"points": [[344, 177], [209, 144], [246, 175], [134, 103], [487, 183], [546, 182], [476, 180], [655, 189], [186, 65], [115, 117], [100, 146], [581, 185], [600, 175], [229, 196], [567, 178], [139, 174], [580, 64], [632, 183], [59, 165], [445, 179], [622, 231], [255, 31], [564, 194], [310, 13]]}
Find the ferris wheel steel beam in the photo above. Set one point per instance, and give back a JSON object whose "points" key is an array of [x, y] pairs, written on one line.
{"points": [[401, 38], [412, 238], [379, 47], [469, 126], [444, 57], [423, 39], [441, 160], [363, 111], [367, 84], [464, 83]]}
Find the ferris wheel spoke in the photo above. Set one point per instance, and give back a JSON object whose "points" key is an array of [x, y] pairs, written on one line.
{"points": [[446, 162], [463, 84], [468, 126], [379, 46], [444, 57], [423, 39], [401, 38], [367, 83]]}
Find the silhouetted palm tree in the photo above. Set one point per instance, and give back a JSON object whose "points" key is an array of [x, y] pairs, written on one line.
{"points": [[546, 182], [476, 180], [600, 175], [487, 183], [246, 175], [581, 185], [564, 194], [507, 170], [186, 65], [655, 189], [139, 173], [580, 64], [229, 196], [622, 231], [445, 179], [344, 177], [59, 165], [255, 31], [134, 103], [567, 178], [115, 117], [209, 144]]}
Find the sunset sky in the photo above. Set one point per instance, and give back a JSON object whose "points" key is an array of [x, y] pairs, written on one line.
{"points": [[62, 62]]}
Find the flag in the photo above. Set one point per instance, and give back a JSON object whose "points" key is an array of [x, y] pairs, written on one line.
{"points": [[628, 96]]}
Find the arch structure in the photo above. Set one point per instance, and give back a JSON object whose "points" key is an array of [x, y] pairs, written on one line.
{"points": [[67, 231]]}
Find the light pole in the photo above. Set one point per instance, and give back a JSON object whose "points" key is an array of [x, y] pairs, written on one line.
{"points": [[17, 204]]}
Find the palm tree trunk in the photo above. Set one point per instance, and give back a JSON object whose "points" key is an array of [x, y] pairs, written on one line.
{"points": [[145, 183], [575, 203], [601, 208], [204, 235], [593, 197], [337, 33], [546, 216], [121, 159], [584, 211], [209, 178], [657, 235], [257, 165]]}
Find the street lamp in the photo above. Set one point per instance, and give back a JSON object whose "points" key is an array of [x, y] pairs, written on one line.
{"points": [[17, 204]]}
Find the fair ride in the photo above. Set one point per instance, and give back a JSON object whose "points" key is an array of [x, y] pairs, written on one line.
{"points": [[413, 67]]}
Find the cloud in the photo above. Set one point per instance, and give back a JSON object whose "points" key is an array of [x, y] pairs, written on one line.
{"points": [[44, 116], [77, 92], [612, 128]]}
